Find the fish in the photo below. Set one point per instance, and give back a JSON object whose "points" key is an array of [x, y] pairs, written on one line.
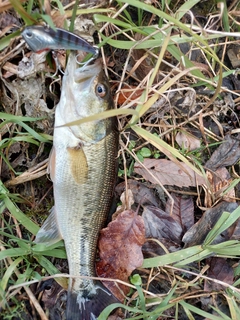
{"points": [[83, 169], [42, 38]]}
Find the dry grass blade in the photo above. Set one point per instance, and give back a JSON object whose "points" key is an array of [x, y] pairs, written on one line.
{"points": [[6, 5], [173, 73], [27, 289]]}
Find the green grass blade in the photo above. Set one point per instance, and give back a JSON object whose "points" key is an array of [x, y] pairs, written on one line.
{"points": [[225, 19], [56, 253], [100, 116], [226, 249], [8, 273], [106, 312], [172, 257], [33, 132], [17, 6], [14, 252], [188, 63], [51, 269], [13, 118], [164, 147], [16, 212], [187, 5], [223, 223], [200, 312], [56, 250], [74, 13], [5, 41]]}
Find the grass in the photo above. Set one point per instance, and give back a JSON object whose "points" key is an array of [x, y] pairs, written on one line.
{"points": [[126, 27]]}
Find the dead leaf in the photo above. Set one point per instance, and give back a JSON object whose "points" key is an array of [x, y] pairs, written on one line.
{"points": [[233, 55], [51, 290], [141, 193], [128, 94], [219, 270], [187, 141], [29, 65], [117, 315], [236, 233], [53, 297], [8, 20], [220, 180], [227, 154], [183, 210], [168, 173], [127, 202], [120, 250], [152, 249], [198, 232], [160, 225]]}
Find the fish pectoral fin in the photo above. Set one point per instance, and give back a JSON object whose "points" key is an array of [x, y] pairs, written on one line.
{"points": [[52, 164], [49, 232], [78, 164]]}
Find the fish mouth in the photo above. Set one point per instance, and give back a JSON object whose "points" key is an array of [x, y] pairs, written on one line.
{"points": [[82, 76], [91, 70]]}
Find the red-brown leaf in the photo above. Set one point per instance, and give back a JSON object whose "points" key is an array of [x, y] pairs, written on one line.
{"points": [[120, 251], [221, 270], [128, 93], [161, 225], [141, 193], [183, 210]]}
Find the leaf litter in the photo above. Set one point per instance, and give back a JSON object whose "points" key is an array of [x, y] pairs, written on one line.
{"points": [[120, 251], [168, 173], [180, 211]]}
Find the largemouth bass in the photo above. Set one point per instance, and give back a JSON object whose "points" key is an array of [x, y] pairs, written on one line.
{"points": [[83, 171]]}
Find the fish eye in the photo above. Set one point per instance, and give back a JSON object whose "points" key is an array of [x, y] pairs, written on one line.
{"points": [[29, 34], [101, 90]]}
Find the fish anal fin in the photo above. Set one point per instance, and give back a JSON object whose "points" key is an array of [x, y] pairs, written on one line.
{"points": [[78, 165], [52, 164], [49, 232]]}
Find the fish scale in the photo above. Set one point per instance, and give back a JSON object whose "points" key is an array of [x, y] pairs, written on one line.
{"points": [[83, 170], [94, 203]]}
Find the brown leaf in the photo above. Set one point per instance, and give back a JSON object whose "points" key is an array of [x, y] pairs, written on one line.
{"points": [[141, 193], [120, 250], [161, 225], [236, 233], [53, 297], [51, 291], [168, 173], [198, 232], [219, 270], [183, 210], [128, 93], [227, 154], [152, 249], [187, 140], [220, 180]]}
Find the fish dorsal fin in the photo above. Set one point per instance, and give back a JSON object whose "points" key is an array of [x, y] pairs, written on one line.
{"points": [[49, 232], [52, 164], [78, 165]]}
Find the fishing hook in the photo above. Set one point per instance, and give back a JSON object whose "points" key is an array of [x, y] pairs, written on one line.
{"points": [[58, 66], [94, 57]]}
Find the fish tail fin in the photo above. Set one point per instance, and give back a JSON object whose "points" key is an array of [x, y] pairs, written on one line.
{"points": [[88, 308]]}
